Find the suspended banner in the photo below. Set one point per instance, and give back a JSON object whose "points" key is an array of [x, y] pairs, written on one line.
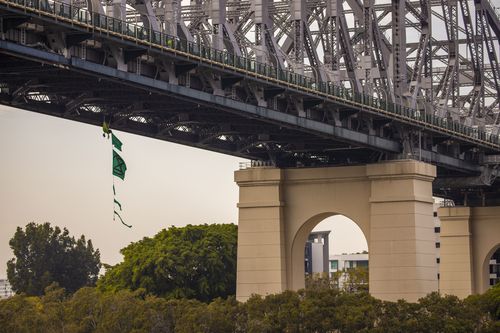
{"points": [[116, 142], [119, 167]]}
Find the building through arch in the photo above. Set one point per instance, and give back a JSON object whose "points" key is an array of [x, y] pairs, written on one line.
{"points": [[494, 267], [342, 243]]}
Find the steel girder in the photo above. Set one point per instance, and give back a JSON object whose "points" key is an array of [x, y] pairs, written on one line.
{"points": [[345, 42]]}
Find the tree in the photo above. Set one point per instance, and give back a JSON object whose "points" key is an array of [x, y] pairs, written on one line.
{"points": [[309, 310], [351, 279], [21, 314], [192, 262], [486, 307], [44, 255]]}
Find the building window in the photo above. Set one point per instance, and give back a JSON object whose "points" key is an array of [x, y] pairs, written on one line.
{"points": [[438, 245], [437, 230], [362, 263], [435, 214], [438, 260], [334, 264]]}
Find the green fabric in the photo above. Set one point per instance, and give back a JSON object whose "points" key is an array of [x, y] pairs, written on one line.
{"points": [[121, 220], [119, 166], [116, 142], [118, 203]]}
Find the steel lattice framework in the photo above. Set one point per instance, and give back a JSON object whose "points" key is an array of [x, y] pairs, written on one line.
{"points": [[439, 56], [323, 82]]}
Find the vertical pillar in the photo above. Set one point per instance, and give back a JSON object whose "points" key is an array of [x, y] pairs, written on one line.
{"points": [[402, 243], [485, 240], [456, 272], [261, 239]]}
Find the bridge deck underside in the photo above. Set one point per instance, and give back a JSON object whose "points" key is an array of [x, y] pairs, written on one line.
{"points": [[170, 118], [191, 123], [36, 78]]}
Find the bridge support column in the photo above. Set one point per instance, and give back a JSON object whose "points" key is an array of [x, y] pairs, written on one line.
{"points": [[261, 239], [402, 241], [469, 236], [455, 269]]}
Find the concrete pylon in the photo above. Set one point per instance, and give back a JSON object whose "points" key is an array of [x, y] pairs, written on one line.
{"points": [[391, 202], [469, 237], [456, 275], [402, 241]]}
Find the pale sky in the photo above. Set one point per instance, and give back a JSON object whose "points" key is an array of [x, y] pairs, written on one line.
{"points": [[59, 171]]}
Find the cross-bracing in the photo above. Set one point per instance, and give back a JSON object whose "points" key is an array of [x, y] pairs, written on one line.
{"points": [[436, 61]]}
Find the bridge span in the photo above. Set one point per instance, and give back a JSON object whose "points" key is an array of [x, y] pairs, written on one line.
{"points": [[302, 85]]}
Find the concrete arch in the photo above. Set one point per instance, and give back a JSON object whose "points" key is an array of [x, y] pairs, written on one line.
{"points": [[297, 245], [485, 235], [469, 235], [391, 202]]}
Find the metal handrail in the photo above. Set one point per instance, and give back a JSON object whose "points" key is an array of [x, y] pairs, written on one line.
{"points": [[106, 24], [255, 164], [447, 203]]}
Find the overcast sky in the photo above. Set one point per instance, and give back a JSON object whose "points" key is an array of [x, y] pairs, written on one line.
{"points": [[59, 171]]}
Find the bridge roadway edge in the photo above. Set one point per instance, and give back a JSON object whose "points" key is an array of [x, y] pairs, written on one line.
{"points": [[247, 110]]}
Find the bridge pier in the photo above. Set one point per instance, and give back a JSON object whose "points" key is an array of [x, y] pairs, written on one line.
{"points": [[391, 202], [469, 237]]}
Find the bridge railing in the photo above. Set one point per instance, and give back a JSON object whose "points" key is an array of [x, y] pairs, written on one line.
{"points": [[151, 38], [256, 164]]}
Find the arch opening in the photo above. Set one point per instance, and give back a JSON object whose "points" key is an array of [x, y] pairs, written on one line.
{"points": [[491, 267], [334, 253]]}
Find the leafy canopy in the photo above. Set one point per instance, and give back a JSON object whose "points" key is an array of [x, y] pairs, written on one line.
{"points": [[44, 255], [196, 261], [318, 310]]}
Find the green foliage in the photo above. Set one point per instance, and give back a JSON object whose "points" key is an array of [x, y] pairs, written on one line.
{"points": [[487, 306], [351, 279], [44, 255], [444, 314], [320, 281], [274, 313], [190, 262], [180, 281], [307, 311], [21, 314], [348, 280], [319, 308], [491, 301]]}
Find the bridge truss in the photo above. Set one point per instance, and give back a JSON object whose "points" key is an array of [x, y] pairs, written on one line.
{"points": [[321, 82], [446, 51]]}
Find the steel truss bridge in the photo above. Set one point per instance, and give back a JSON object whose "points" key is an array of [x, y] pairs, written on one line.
{"points": [[295, 82]]}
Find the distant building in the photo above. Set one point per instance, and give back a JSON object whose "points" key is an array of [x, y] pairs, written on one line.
{"points": [[5, 289], [341, 262], [495, 268], [317, 252]]}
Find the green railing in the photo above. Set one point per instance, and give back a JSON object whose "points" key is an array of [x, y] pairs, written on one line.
{"points": [[139, 34]]}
